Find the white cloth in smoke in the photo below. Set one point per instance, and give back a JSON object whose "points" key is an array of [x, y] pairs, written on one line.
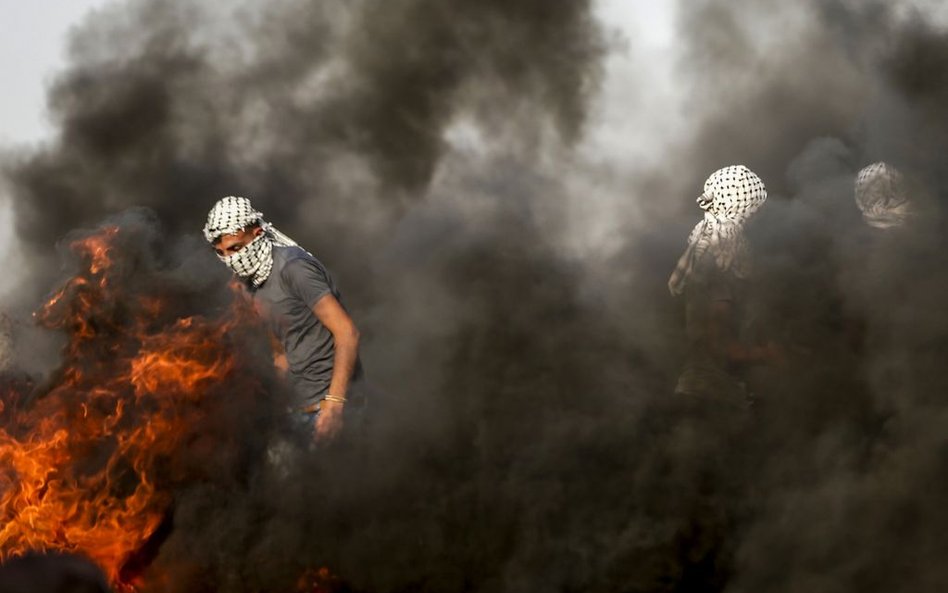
{"points": [[229, 216], [881, 196], [731, 195]]}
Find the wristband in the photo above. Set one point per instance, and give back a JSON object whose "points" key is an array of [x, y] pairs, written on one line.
{"points": [[335, 399]]}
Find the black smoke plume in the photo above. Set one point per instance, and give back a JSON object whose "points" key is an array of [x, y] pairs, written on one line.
{"points": [[524, 436]]}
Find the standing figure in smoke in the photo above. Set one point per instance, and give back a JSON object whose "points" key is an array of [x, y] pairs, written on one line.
{"points": [[711, 275], [882, 283], [882, 197], [302, 303]]}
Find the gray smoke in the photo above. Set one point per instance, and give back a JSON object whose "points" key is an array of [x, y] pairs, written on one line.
{"points": [[846, 458], [524, 436]]}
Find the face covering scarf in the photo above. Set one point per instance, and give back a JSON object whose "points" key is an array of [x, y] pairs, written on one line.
{"points": [[881, 196], [254, 261], [731, 195]]}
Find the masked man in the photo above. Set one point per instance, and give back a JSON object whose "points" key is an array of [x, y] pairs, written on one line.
{"points": [[711, 275], [301, 301]]}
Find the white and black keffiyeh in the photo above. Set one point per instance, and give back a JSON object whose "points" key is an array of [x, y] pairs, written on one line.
{"points": [[731, 195], [881, 196], [232, 214]]}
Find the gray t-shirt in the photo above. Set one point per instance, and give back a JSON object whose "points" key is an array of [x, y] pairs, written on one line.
{"points": [[296, 282]]}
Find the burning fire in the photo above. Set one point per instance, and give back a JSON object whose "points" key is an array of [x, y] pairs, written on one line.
{"points": [[86, 462]]}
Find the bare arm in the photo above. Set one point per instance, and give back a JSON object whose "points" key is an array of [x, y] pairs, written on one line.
{"points": [[346, 337]]}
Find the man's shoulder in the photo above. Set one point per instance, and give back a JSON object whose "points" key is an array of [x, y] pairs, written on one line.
{"points": [[291, 253], [295, 259]]}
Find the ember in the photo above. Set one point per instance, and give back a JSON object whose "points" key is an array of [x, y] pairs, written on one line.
{"points": [[319, 581]]}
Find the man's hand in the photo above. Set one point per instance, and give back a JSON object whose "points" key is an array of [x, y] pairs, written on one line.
{"points": [[281, 364], [329, 421]]}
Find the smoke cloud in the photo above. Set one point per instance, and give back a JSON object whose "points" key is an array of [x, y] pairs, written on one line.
{"points": [[523, 433]]}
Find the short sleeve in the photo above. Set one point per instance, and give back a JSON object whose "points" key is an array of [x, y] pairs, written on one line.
{"points": [[307, 279]]}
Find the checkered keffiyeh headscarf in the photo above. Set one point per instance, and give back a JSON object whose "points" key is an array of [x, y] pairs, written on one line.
{"points": [[881, 196], [232, 214], [731, 195]]}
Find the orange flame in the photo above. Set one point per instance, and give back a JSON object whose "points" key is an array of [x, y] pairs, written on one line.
{"points": [[81, 468]]}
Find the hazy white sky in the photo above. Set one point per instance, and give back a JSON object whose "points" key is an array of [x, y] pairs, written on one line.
{"points": [[636, 103], [33, 48]]}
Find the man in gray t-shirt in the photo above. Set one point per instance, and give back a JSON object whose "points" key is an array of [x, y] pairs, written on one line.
{"points": [[320, 342], [290, 298]]}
